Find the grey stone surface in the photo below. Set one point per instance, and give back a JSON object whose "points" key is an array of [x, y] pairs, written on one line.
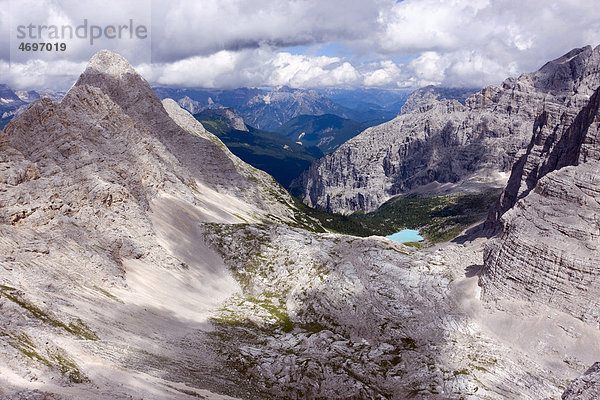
{"points": [[549, 247], [428, 94], [586, 387]]}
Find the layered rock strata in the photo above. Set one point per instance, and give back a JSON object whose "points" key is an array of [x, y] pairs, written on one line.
{"points": [[549, 248]]}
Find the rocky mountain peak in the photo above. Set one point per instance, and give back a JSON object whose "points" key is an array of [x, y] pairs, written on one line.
{"points": [[560, 77], [428, 94], [114, 76], [109, 63]]}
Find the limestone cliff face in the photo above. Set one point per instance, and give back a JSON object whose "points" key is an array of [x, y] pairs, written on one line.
{"points": [[445, 141], [552, 144], [549, 248]]}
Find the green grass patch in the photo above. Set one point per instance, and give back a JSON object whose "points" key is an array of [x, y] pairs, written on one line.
{"points": [[23, 344], [68, 368], [438, 219], [107, 293], [77, 328], [230, 318], [59, 360]]}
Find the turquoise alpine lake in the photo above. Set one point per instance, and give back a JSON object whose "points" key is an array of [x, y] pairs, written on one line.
{"points": [[406, 235]]}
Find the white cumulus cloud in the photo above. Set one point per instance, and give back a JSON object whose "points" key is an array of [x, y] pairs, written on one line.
{"points": [[229, 43]]}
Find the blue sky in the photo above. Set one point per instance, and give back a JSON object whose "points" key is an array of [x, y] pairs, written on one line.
{"points": [[304, 43]]}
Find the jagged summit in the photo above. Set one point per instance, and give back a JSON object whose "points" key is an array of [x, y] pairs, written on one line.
{"points": [[110, 63], [571, 54], [566, 75]]}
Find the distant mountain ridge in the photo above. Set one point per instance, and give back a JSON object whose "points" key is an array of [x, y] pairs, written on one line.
{"points": [[10, 102], [269, 109], [279, 156], [427, 94], [327, 131]]}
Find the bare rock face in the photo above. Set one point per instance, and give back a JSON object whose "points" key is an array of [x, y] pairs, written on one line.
{"points": [[552, 144], [114, 76], [586, 387], [100, 258], [428, 94], [190, 105], [445, 141], [549, 248]]}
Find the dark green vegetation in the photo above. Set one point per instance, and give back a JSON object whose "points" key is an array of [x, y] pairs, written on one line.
{"points": [[273, 153], [327, 131], [438, 219]]}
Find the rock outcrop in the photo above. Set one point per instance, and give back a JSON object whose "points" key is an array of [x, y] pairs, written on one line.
{"points": [[550, 147], [445, 141], [428, 94], [586, 387], [549, 247]]}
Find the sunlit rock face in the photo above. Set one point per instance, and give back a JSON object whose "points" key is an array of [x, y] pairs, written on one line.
{"points": [[549, 248], [445, 141]]}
